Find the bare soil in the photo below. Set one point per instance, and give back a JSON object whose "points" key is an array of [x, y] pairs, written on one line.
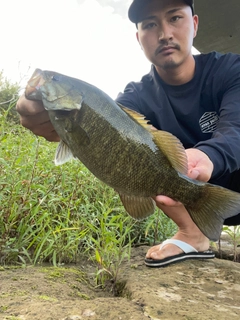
{"points": [[203, 289]]}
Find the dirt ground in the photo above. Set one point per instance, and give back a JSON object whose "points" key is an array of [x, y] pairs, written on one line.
{"points": [[194, 290]]}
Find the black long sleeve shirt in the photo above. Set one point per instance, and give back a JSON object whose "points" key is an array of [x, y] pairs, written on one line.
{"points": [[203, 113]]}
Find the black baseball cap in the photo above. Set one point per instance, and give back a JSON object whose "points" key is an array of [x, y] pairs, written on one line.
{"points": [[136, 6]]}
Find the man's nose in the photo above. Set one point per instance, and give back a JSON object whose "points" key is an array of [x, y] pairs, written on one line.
{"points": [[165, 33]]}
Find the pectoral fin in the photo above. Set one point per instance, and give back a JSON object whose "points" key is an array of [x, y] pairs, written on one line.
{"points": [[63, 154], [138, 207]]}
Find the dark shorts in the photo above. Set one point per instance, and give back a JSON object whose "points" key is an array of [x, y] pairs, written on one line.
{"points": [[234, 184]]}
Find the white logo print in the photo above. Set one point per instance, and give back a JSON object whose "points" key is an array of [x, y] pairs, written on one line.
{"points": [[208, 122]]}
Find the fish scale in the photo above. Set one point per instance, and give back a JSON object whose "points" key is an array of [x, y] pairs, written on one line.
{"points": [[120, 148]]}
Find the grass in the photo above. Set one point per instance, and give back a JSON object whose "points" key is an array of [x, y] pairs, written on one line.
{"points": [[58, 213]]}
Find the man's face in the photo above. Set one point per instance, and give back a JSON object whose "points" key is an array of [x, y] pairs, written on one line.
{"points": [[166, 32]]}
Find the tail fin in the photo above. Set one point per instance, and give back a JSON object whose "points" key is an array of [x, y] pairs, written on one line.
{"points": [[211, 210]]}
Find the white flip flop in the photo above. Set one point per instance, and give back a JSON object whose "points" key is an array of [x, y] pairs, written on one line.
{"points": [[189, 252]]}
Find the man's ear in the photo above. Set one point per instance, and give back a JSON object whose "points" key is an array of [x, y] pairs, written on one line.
{"points": [[195, 22], [137, 36]]}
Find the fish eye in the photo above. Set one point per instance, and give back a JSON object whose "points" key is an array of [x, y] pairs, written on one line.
{"points": [[55, 78]]}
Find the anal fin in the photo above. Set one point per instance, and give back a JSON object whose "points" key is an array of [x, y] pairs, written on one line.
{"points": [[138, 207]]}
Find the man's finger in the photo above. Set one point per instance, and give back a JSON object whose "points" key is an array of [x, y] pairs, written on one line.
{"points": [[166, 201], [28, 107], [193, 174]]}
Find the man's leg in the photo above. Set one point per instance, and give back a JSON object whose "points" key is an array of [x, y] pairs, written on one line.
{"points": [[187, 230], [234, 185], [233, 221]]}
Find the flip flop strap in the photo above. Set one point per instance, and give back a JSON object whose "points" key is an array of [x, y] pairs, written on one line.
{"points": [[182, 245]]}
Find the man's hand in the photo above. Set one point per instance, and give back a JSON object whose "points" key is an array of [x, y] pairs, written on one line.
{"points": [[34, 117], [200, 167]]}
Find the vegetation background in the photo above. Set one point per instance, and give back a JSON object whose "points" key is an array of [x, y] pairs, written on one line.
{"points": [[58, 214]]}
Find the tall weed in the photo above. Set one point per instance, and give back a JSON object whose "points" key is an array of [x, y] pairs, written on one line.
{"points": [[57, 213]]}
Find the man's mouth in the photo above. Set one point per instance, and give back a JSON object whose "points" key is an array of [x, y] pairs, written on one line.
{"points": [[166, 49]]}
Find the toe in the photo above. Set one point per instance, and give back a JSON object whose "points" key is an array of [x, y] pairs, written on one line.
{"points": [[156, 253]]}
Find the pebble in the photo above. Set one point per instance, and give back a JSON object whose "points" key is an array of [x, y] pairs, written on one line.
{"points": [[88, 313]]}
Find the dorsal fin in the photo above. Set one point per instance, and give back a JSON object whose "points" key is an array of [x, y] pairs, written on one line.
{"points": [[138, 117], [170, 145], [173, 149]]}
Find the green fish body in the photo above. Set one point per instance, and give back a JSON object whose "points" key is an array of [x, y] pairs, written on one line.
{"points": [[121, 149]]}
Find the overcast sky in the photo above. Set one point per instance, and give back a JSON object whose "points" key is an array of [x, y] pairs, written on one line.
{"points": [[87, 39]]}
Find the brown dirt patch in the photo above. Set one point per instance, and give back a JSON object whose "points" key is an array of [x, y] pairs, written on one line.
{"points": [[207, 289]]}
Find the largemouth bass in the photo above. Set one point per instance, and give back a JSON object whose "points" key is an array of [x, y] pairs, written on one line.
{"points": [[120, 148]]}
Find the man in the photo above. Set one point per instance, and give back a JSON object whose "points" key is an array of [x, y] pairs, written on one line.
{"points": [[196, 98]]}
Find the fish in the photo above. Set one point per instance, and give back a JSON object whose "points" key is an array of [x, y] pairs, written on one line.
{"points": [[122, 149]]}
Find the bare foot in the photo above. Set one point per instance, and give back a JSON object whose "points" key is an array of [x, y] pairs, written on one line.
{"points": [[196, 239], [188, 230]]}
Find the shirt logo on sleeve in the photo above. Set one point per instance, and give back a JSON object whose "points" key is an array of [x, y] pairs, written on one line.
{"points": [[208, 122]]}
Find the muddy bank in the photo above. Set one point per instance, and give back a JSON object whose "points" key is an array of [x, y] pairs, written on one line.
{"points": [[207, 289]]}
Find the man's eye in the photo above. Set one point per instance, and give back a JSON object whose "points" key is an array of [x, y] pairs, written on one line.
{"points": [[175, 18], [150, 25]]}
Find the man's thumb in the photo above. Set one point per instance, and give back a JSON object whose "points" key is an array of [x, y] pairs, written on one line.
{"points": [[193, 174]]}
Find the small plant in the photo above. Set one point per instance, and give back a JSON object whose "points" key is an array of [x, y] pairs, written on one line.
{"points": [[159, 228], [111, 242], [9, 93], [234, 233]]}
